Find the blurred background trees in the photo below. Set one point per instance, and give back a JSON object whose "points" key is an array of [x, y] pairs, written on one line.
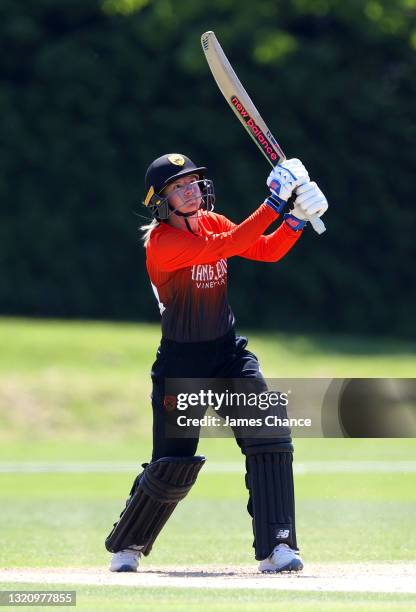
{"points": [[91, 91]]}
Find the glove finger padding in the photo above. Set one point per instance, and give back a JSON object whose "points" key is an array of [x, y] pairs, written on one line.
{"points": [[305, 190], [297, 170], [310, 200], [294, 162], [318, 207]]}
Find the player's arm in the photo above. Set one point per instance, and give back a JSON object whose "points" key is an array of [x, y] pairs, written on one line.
{"points": [[178, 249], [267, 248]]}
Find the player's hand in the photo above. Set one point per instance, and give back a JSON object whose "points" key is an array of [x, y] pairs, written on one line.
{"points": [[309, 201], [283, 180]]}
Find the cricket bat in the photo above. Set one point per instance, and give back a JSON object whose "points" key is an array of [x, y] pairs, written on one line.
{"points": [[244, 108]]}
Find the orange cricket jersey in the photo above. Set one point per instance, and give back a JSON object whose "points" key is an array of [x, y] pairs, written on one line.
{"points": [[188, 273]]}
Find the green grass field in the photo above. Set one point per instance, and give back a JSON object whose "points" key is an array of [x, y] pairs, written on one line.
{"points": [[78, 392]]}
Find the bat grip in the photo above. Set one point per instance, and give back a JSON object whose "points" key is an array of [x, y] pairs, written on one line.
{"points": [[317, 224]]}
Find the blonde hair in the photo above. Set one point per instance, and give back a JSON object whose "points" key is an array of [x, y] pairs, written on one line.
{"points": [[147, 230]]}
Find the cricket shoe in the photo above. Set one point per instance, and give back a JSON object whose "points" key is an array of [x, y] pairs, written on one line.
{"points": [[282, 559], [125, 560]]}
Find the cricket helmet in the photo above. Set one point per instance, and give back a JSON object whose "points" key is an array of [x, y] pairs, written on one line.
{"points": [[165, 170]]}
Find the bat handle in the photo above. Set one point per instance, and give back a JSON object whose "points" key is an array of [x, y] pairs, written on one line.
{"points": [[317, 224]]}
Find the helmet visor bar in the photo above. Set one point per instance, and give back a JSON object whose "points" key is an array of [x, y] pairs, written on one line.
{"points": [[184, 200]]}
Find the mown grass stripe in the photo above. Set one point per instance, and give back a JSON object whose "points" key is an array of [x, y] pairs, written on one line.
{"points": [[310, 467]]}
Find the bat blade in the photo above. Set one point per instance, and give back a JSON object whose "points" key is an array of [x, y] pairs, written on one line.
{"points": [[244, 108], [239, 100]]}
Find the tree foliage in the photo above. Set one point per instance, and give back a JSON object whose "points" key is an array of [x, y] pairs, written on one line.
{"points": [[91, 91]]}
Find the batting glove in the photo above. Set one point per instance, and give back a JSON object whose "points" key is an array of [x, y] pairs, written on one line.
{"points": [[309, 201], [283, 180]]}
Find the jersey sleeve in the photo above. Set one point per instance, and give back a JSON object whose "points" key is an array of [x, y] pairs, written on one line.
{"points": [[267, 248], [175, 249]]}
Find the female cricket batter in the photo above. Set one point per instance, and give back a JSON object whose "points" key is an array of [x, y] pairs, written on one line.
{"points": [[187, 247]]}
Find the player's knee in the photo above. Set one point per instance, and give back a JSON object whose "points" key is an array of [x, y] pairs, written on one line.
{"points": [[255, 447]]}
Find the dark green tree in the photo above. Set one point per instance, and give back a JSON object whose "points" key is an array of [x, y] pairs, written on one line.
{"points": [[92, 90]]}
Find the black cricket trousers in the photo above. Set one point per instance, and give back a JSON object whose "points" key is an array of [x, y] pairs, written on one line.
{"points": [[225, 357]]}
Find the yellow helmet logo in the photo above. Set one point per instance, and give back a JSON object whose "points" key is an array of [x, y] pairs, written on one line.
{"points": [[176, 159], [150, 193]]}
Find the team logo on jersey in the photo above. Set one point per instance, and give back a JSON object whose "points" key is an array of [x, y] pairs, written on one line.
{"points": [[208, 276], [176, 159]]}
